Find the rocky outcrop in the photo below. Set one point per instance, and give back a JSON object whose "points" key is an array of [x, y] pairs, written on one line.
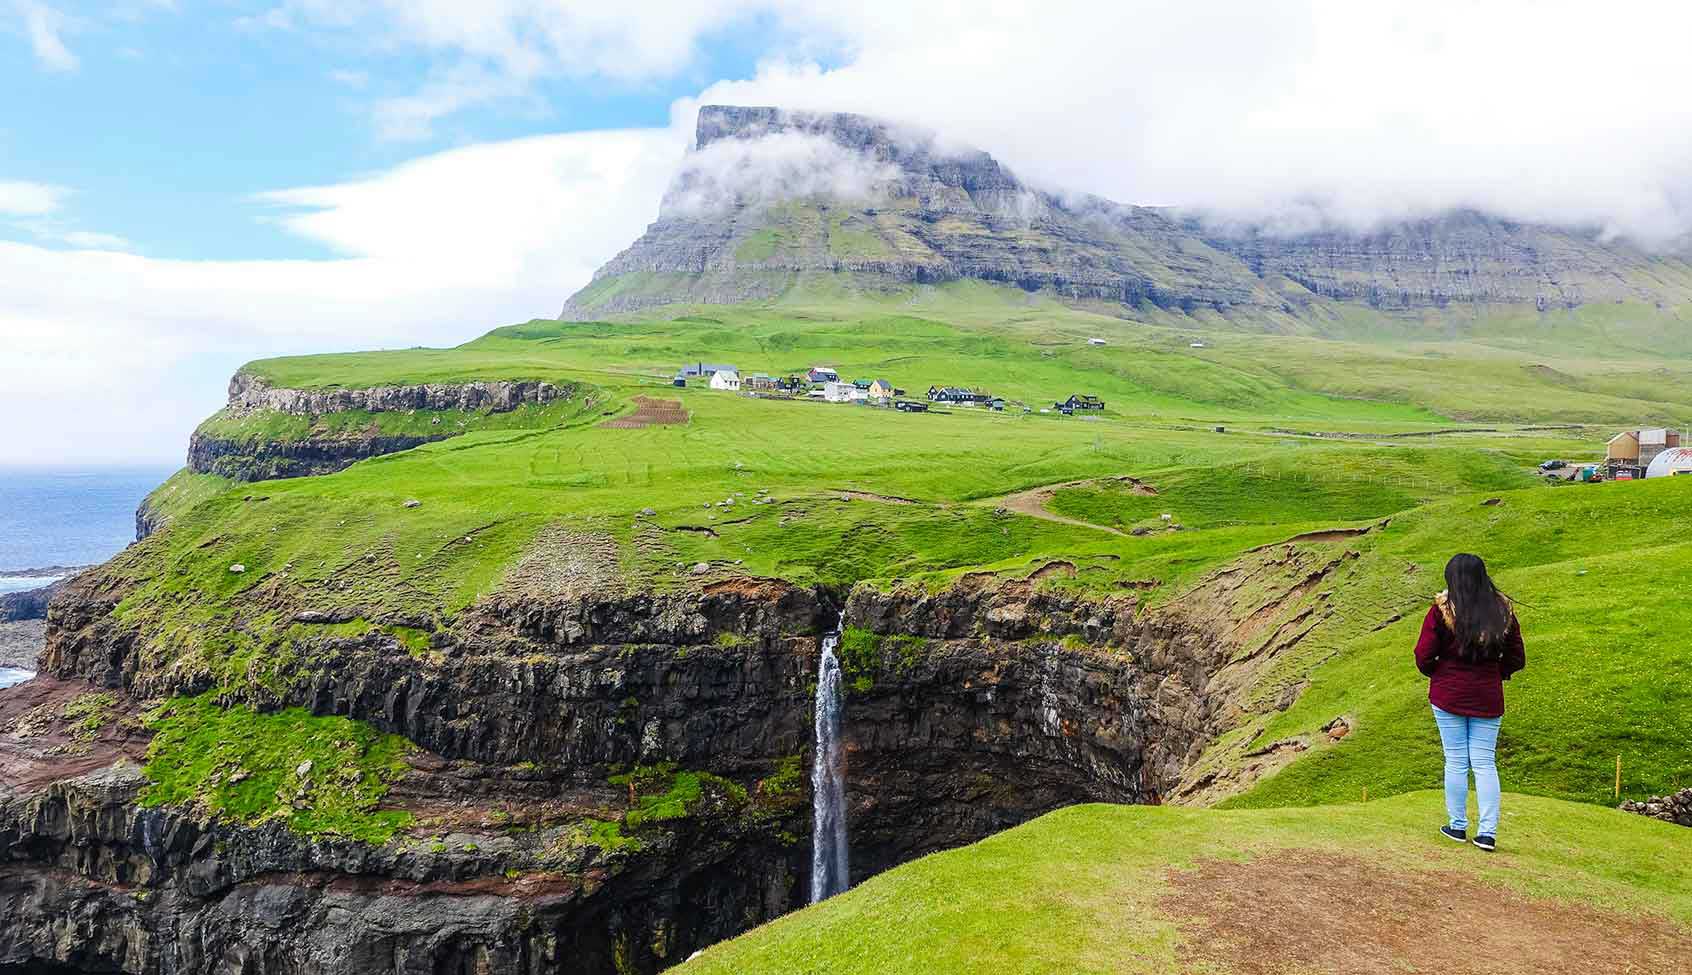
{"points": [[969, 710], [1673, 808], [248, 392], [263, 460], [243, 457], [147, 520], [92, 880], [885, 206], [30, 604]]}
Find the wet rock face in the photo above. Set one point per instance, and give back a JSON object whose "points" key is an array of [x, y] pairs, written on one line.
{"points": [[967, 712]]}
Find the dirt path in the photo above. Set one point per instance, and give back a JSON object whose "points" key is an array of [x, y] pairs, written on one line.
{"points": [[1319, 913], [1033, 504]]}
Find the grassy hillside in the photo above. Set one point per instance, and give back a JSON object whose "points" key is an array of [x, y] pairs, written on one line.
{"points": [[1346, 888], [1318, 435]]}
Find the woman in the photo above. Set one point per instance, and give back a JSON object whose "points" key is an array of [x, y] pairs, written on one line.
{"points": [[1470, 645]]}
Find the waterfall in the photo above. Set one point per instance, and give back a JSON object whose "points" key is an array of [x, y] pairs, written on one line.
{"points": [[828, 780]]}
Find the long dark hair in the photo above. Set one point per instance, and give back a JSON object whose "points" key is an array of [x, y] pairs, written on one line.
{"points": [[1480, 614]]}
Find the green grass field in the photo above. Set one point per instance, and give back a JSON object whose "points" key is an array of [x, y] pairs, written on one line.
{"points": [[1083, 889]]}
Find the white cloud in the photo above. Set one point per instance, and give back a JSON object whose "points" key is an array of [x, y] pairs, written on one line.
{"points": [[93, 240], [45, 28], [119, 355], [1274, 109], [1365, 110], [498, 49], [20, 198], [778, 166]]}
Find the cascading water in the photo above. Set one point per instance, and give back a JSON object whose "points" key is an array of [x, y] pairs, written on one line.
{"points": [[828, 780]]}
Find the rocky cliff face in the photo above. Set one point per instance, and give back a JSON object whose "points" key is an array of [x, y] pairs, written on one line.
{"points": [[969, 710], [262, 460], [1459, 258], [252, 456], [770, 196], [248, 393], [893, 206]]}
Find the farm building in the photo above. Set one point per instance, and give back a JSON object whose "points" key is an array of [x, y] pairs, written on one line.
{"points": [[758, 380], [704, 370], [838, 392], [1654, 442], [822, 374], [1633, 450], [680, 382], [725, 379], [911, 406], [958, 395], [1095, 341], [1082, 401], [1623, 449], [1672, 462]]}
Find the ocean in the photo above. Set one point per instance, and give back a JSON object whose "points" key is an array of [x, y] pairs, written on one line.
{"points": [[74, 516]]}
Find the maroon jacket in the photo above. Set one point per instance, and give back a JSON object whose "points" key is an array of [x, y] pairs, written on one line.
{"points": [[1474, 690]]}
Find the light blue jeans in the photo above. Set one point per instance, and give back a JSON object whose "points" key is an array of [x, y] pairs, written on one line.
{"points": [[1471, 744]]}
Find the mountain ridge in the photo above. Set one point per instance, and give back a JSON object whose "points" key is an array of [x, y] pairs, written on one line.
{"points": [[935, 214]]}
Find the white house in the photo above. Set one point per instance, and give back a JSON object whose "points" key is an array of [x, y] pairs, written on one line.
{"points": [[1195, 345], [725, 379], [1095, 341], [838, 392]]}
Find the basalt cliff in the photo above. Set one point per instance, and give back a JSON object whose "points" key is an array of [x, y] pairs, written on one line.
{"points": [[769, 199], [596, 783]]}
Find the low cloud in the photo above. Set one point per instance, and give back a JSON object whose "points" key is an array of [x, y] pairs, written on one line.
{"points": [[778, 166]]}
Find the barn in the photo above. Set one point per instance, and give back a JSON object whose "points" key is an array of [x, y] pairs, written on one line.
{"points": [[1671, 462]]}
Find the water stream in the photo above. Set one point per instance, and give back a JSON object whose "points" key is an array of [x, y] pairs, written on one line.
{"points": [[828, 781]]}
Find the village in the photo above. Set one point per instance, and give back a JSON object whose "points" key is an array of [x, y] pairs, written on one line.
{"points": [[823, 384]]}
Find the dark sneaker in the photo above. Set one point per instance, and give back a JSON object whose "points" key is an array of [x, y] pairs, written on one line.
{"points": [[1454, 834], [1486, 843]]}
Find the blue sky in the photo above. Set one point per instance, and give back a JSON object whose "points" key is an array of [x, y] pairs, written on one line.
{"points": [[186, 185], [173, 118]]}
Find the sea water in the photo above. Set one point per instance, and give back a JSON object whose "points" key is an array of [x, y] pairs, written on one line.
{"points": [[71, 516]]}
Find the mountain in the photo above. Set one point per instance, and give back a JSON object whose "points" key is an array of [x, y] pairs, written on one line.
{"points": [[769, 198]]}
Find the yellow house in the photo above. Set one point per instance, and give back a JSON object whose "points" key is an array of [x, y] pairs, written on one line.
{"points": [[1624, 448], [880, 389]]}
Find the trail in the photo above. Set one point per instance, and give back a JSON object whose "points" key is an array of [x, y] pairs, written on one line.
{"points": [[1032, 503]]}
